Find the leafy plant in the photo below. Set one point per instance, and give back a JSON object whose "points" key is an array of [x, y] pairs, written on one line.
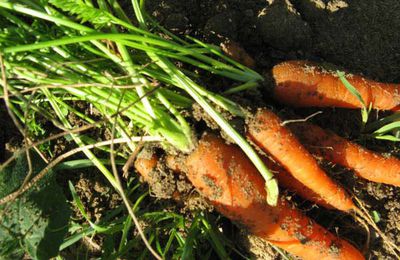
{"points": [[58, 53], [157, 114], [35, 222]]}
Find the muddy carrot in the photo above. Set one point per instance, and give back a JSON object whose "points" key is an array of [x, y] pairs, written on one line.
{"points": [[365, 163], [265, 129], [285, 179], [224, 175], [146, 165], [307, 84]]}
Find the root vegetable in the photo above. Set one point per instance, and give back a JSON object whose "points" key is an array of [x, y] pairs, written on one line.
{"points": [[145, 166], [365, 163], [307, 84], [287, 181], [224, 175], [265, 129]]}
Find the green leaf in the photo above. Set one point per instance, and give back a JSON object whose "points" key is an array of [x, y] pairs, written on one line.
{"points": [[83, 11], [383, 121], [388, 138], [13, 176], [364, 111], [351, 88], [215, 238], [387, 128], [37, 221]]}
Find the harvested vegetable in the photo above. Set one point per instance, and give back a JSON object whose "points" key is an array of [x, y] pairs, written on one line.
{"points": [[145, 166], [307, 84], [284, 178], [266, 130], [233, 185], [365, 163], [287, 181], [224, 175]]}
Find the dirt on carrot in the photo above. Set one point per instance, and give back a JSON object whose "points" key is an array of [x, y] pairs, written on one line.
{"points": [[259, 248], [243, 201], [267, 131], [302, 83], [166, 180]]}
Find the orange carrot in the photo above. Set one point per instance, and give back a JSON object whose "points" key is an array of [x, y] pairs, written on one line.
{"points": [[287, 181], [268, 133], [146, 165], [365, 163], [224, 175], [237, 53], [307, 84], [284, 178]]}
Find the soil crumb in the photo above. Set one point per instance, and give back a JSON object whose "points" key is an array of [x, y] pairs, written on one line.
{"points": [[259, 249], [167, 183]]}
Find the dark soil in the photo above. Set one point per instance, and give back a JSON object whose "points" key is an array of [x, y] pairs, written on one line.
{"points": [[361, 37], [9, 134]]}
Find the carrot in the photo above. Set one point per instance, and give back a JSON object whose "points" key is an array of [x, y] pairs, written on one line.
{"points": [[284, 178], [146, 165], [237, 53], [365, 163], [265, 129], [224, 175], [287, 181], [307, 84]]}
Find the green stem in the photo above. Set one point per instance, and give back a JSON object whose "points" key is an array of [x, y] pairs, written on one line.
{"points": [[54, 103], [190, 86]]}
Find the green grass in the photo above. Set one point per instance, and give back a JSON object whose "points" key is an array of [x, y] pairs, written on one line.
{"points": [[158, 115], [58, 53]]}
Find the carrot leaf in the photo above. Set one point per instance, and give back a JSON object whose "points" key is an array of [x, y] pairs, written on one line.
{"points": [[388, 138], [389, 124]]}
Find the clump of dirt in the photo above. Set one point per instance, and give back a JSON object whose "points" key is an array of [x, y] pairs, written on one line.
{"points": [[96, 195], [357, 35], [98, 198], [275, 24], [384, 202], [258, 248], [201, 116], [172, 183]]}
